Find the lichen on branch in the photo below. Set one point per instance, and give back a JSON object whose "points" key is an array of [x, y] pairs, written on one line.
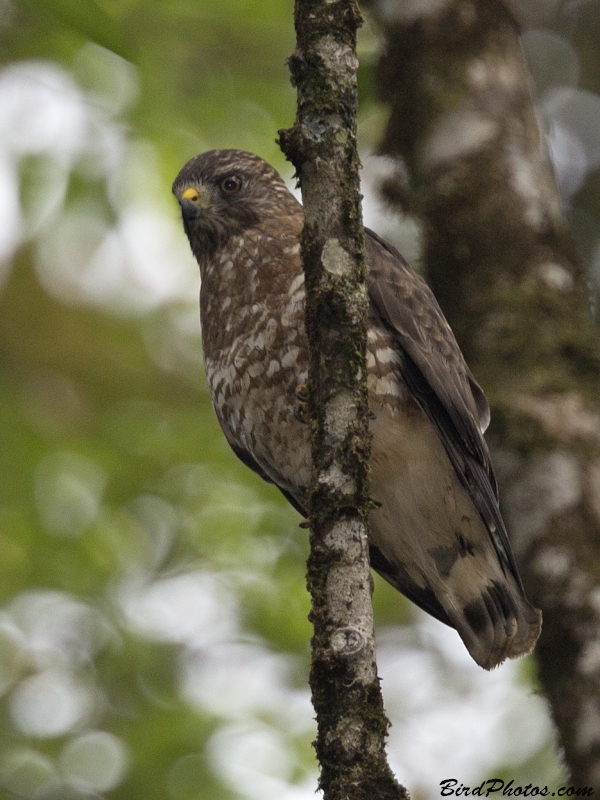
{"points": [[352, 725]]}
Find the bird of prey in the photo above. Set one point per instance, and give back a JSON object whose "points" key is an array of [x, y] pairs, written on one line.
{"points": [[438, 536]]}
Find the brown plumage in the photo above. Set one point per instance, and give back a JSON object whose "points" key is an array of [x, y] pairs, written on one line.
{"points": [[438, 536]]}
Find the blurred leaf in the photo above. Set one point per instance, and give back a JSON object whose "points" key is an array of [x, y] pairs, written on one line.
{"points": [[87, 18]]}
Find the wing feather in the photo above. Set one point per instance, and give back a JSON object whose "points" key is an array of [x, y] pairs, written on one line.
{"points": [[437, 376]]}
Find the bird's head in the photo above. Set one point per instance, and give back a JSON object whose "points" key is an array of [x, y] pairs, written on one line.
{"points": [[222, 193]]}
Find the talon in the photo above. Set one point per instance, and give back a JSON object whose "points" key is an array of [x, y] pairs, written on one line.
{"points": [[304, 524], [375, 503], [301, 412], [371, 415]]}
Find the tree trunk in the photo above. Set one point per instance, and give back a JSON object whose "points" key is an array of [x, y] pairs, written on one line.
{"points": [[352, 725], [500, 260]]}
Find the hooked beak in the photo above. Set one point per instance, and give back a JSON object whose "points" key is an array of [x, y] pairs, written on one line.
{"points": [[191, 210]]}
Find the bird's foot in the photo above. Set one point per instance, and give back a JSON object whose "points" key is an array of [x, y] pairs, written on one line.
{"points": [[301, 407]]}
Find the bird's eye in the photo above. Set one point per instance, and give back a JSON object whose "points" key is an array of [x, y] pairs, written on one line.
{"points": [[191, 194], [231, 185]]}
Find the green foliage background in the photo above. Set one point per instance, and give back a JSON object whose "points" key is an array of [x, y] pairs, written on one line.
{"points": [[115, 476]]}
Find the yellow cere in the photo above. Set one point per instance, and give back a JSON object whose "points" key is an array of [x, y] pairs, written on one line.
{"points": [[190, 194]]}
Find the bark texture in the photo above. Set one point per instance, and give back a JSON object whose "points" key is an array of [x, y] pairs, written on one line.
{"points": [[499, 258], [352, 725]]}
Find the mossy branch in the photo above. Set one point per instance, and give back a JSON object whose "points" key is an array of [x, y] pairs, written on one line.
{"points": [[351, 721]]}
